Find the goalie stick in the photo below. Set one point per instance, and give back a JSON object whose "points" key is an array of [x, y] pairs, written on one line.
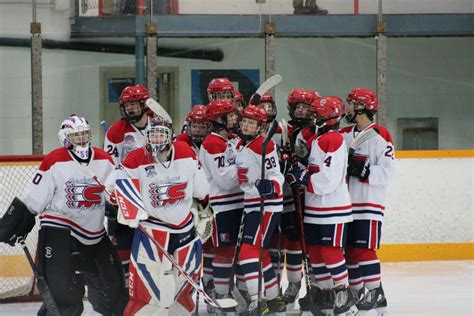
{"points": [[271, 131], [42, 285], [222, 304], [153, 105], [264, 87]]}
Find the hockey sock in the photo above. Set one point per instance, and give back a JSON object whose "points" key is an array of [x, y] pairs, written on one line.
{"points": [[355, 276], [369, 266], [222, 266], [269, 277], [208, 256], [277, 254], [294, 259], [248, 261], [336, 264], [321, 273]]}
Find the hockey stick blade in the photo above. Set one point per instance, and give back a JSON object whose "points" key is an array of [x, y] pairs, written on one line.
{"points": [[158, 109], [42, 285], [362, 138], [264, 87], [225, 303]]}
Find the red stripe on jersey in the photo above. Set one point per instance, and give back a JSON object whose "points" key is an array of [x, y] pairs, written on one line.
{"points": [[330, 142], [72, 224], [100, 154], [212, 198], [373, 234], [57, 155], [368, 204], [333, 208]]}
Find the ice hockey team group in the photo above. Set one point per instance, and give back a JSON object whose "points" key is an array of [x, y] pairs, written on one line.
{"points": [[223, 208]]}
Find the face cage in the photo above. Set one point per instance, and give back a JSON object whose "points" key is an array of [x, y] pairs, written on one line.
{"points": [[226, 95], [159, 138], [135, 118], [299, 121], [84, 135]]}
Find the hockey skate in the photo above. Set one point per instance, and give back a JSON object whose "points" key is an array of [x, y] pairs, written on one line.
{"points": [[311, 306], [344, 303], [373, 299], [291, 293], [316, 10], [226, 312], [276, 306], [301, 10]]}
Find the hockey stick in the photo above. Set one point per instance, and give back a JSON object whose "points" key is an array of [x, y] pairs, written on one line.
{"points": [[284, 132], [297, 195], [42, 285], [104, 126], [271, 131], [264, 87], [222, 304], [158, 109], [363, 136]]}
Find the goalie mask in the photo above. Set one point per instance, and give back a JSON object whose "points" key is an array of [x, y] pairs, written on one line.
{"points": [[198, 125], [253, 120], [159, 135], [220, 89], [75, 135], [132, 102]]}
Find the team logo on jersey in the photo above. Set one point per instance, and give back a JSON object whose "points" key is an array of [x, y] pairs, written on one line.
{"points": [[242, 175], [83, 193], [150, 171], [167, 193]]}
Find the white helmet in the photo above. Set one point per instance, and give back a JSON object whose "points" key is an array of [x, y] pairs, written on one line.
{"points": [[159, 135], [75, 135]]}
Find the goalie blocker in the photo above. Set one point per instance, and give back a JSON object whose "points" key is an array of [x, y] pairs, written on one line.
{"points": [[17, 221]]}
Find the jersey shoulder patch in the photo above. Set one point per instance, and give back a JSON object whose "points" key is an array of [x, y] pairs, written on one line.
{"points": [[257, 144], [330, 142], [182, 150], [383, 132], [214, 144], [58, 155], [117, 131]]}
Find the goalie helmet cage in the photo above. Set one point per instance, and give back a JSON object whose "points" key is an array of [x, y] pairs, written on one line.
{"points": [[17, 282]]}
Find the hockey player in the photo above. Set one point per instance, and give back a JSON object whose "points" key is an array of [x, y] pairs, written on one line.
{"points": [[73, 249], [222, 89], [217, 156], [170, 178], [328, 208], [239, 101], [255, 189], [197, 128], [124, 136], [371, 167], [266, 101]]}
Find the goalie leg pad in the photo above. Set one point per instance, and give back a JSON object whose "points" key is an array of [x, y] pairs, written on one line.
{"points": [[17, 221], [151, 282], [189, 257], [56, 265], [106, 283]]}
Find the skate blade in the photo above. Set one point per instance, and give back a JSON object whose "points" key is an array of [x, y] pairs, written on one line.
{"points": [[328, 312], [306, 313], [382, 311], [290, 306], [352, 311], [277, 314]]}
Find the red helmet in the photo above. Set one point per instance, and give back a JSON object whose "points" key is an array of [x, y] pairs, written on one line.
{"points": [[134, 93], [297, 96], [328, 111], [129, 94], [220, 88], [239, 97], [219, 108], [363, 99], [255, 112], [197, 114]]}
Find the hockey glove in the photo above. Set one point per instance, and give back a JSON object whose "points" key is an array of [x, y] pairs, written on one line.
{"points": [[17, 221], [297, 177], [265, 188], [111, 210], [358, 167]]}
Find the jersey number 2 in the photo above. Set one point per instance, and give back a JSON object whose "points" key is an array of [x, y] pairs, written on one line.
{"points": [[112, 150]]}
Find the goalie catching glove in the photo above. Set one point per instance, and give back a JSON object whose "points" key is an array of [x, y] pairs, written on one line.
{"points": [[17, 221], [202, 218]]}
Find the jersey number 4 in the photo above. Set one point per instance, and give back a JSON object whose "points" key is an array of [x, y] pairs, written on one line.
{"points": [[112, 150]]}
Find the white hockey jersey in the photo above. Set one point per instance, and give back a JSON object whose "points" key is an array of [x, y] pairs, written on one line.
{"points": [[123, 138], [65, 196], [249, 164], [184, 137], [167, 189], [225, 193], [368, 197], [327, 199]]}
